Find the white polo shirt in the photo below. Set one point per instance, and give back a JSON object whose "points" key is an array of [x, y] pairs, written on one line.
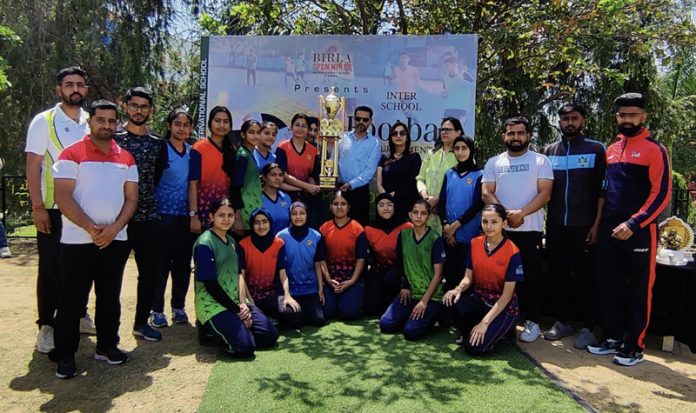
{"points": [[99, 185], [40, 142]]}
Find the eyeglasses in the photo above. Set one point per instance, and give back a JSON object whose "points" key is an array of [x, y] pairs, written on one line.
{"points": [[297, 125], [446, 130], [361, 119], [135, 107], [399, 133]]}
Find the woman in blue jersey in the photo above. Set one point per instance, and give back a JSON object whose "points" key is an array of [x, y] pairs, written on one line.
{"points": [[263, 153], [460, 208], [304, 255], [239, 328], [275, 201]]}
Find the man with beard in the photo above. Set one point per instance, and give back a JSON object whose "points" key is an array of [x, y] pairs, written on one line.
{"points": [[96, 189], [49, 132], [639, 187], [148, 149], [521, 181], [358, 157], [574, 213]]}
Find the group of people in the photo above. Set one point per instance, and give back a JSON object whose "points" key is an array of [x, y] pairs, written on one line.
{"points": [[449, 242]]}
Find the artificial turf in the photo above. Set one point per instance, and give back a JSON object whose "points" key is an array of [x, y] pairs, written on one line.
{"points": [[351, 367]]}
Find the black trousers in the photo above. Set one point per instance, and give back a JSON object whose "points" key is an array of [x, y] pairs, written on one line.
{"points": [[381, 286], [48, 281], [84, 264], [529, 243], [455, 264], [626, 273], [143, 238], [175, 248], [359, 200], [569, 252]]}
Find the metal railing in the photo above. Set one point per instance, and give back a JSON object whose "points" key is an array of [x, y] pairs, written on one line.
{"points": [[16, 207]]}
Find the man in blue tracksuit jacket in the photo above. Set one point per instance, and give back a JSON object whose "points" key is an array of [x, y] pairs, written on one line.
{"points": [[574, 212]]}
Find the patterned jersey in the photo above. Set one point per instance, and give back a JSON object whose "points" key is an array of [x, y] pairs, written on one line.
{"points": [[213, 181], [418, 257], [247, 180], [302, 165], [261, 267], [215, 259], [344, 246], [383, 245]]}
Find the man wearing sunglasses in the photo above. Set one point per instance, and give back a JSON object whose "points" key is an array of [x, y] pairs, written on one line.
{"points": [[358, 156]]}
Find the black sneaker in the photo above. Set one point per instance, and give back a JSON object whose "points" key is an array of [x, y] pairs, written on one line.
{"points": [[607, 346], [67, 369], [628, 358], [114, 356]]}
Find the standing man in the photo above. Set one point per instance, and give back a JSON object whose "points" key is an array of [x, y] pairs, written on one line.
{"points": [[639, 187], [49, 132], [574, 212], [96, 189], [358, 156], [521, 181], [148, 150]]}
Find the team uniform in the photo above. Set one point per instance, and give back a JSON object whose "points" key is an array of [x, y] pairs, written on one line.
{"points": [[415, 260], [490, 270], [176, 240], [213, 181], [246, 185], [279, 209], [382, 281], [345, 245], [639, 187], [49, 132], [261, 160], [302, 250], [302, 165], [261, 268], [217, 265]]}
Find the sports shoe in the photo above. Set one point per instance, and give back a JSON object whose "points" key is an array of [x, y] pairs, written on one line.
{"points": [[5, 252], [67, 369], [607, 346], [87, 325], [531, 332], [558, 331], [44, 340], [147, 332], [158, 320], [460, 340], [585, 338], [179, 316], [114, 356], [628, 358]]}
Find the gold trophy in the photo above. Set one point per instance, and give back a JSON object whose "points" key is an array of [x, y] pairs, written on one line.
{"points": [[330, 131]]}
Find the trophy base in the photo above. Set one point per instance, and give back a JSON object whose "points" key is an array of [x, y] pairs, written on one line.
{"points": [[327, 182]]}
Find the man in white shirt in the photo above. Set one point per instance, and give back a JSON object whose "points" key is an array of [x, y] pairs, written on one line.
{"points": [[521, 180], [49, 132]]}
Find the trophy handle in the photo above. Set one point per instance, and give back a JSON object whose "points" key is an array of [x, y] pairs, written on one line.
{"points": [[321, 103]]}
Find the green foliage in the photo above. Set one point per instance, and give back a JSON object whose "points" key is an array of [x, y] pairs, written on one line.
{"points": [[6, 36]]}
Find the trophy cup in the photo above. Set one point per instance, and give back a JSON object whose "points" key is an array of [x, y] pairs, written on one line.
{"points": [[330, 131]]}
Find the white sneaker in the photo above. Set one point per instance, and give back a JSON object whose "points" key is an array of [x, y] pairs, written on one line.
{"points": [[87, 326], [531, 332], [44, 340], [5, 252]]}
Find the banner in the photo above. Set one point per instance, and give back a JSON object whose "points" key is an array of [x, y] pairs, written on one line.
{"points": [[415, 79]]}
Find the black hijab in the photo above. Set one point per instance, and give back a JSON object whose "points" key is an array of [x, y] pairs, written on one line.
{"points": [[469, 164], [262, 243], [386, 225], [299, 233]]}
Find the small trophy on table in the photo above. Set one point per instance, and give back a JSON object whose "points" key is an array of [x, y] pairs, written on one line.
{"points": [[330, 131]]}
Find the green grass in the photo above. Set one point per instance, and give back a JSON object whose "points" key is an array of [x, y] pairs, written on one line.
{"points": [[352, 367]]}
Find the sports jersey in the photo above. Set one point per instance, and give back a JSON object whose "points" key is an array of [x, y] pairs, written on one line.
{"points": [[172, 190], [261, 160], [99, 185], [214, 183], [417, 258], [492, 269], [279, 210], [460, 193], [516, 183], [49, 133], [215, 259], [148, 151], [383, 245], [344, 246], [301, 165], [579, 168], [300, 256], [247, 180], [639, 181], [261, 267]]}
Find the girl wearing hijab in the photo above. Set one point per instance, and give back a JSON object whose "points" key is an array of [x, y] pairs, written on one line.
{"points": [[382, 280], [460, 209], [304, 253]]}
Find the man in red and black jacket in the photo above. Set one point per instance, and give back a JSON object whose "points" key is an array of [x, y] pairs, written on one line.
{"points": [[639, 187]]}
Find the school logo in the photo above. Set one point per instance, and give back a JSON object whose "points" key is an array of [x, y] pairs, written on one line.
{"points": [[519, 270], [309, 156], [310, 242], [469, 181], [283, 204], [635, 154]]}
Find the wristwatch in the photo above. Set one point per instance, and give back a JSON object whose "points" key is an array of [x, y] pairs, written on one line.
{"points": [[193, 213]]}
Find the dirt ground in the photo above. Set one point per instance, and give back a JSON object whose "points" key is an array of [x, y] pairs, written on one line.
{"points": [[171, 375]]}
